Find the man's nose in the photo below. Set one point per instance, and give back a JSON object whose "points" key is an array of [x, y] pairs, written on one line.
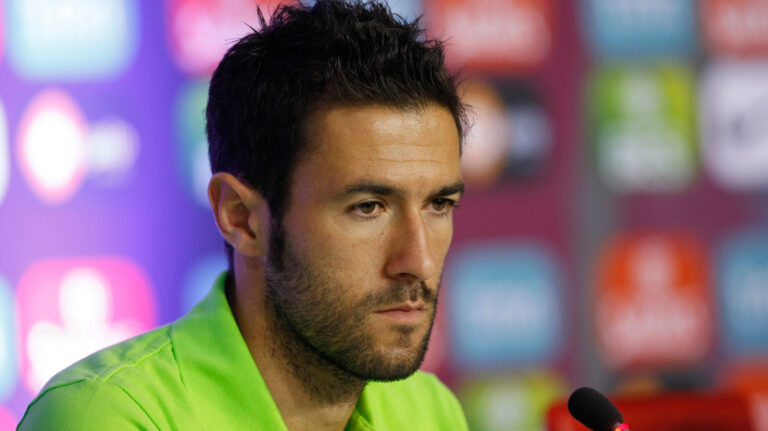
{"points": [[411, 258]]}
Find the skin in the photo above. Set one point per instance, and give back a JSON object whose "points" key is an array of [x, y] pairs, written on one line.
{"points": [[368, 227]]}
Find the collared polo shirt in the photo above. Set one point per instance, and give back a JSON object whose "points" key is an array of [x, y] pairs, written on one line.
{"points": [[198, 374]]}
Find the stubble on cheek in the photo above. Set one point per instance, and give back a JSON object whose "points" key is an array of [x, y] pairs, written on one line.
{"points": [[329, 323]]}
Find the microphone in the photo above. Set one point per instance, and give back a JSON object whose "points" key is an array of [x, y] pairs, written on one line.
{"points": [[594, 410]]}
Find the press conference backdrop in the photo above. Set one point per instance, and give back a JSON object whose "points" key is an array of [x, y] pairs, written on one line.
{"points": [[614, 232]]}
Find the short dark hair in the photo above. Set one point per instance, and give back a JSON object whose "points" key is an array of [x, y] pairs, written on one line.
{"points": [[310, 57]]}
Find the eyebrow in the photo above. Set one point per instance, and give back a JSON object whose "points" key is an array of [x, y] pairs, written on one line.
{"points": [[375, 188], [372, 188], [457, 187]]}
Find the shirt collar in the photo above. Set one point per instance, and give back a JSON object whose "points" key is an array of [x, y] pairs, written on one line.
{"points": [[218, 369]]}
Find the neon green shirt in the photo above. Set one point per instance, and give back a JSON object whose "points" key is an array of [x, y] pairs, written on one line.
{"points": [[197, 373]]}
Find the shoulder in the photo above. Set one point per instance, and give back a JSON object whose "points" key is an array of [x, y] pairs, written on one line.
{"points": [[85, 405], [109, 363], [115, 386], [421, 398]]}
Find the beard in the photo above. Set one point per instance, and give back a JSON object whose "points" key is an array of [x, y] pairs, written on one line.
{"points": [[320, 326]]}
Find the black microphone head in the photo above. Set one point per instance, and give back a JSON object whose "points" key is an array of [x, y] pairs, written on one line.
{"points": [[594, 410]]}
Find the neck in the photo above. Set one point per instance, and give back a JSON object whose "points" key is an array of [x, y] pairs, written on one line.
{"points": [[310, 392]]}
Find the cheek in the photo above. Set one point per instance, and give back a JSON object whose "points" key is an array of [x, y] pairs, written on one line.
{"points": [[442, 237], [355, 260], [349, 256]]}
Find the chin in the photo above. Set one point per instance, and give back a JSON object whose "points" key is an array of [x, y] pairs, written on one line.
{"points": [[396, 363], [394, 373]]}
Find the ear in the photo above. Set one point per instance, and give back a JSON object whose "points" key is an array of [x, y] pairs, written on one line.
{"points": [[242, 214]]}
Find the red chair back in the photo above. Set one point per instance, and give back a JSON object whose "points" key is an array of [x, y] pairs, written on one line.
{"points": [[668, 412]]}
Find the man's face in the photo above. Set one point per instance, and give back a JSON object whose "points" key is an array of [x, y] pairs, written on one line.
{"points": [[355, 267]]}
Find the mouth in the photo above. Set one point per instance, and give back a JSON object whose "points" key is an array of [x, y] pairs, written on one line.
{"points": [[406, 307], [404, 313]]}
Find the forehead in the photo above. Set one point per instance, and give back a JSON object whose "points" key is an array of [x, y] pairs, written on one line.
{"points": [[381, 143]]}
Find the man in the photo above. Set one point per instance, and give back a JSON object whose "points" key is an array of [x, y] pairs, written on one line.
{"points": [[334, 137]]}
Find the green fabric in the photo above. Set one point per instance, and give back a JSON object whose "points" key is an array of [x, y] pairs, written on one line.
{"points": [[197, 373]]}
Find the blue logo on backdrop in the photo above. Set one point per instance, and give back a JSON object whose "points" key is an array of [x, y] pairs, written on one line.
{"points": [[505, 305], [8, 368], [408, 9], [743, 290], [71, 39], [621, 28], [200, 279]]}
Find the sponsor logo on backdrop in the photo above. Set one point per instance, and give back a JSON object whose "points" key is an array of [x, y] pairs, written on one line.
{"points": [[7, 420], [58, 150], [191, 142], [734, 106], [494, 35], [8, 370], [201, 31], [735, 27], [653, 305], [743, 290], [112, 151], [69, 308], [408, 9], [510, 402], [504, 305], [71, 39], [509, 137], [642, 128], [51, 146], [485, 152], [5, 163], [623, 28]]}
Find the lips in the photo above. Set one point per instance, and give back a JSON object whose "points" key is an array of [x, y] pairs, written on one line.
{"points": [[406, 307], [407, 313]]}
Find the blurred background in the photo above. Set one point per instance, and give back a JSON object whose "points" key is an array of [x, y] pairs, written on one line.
{"points": [[614, 233]]}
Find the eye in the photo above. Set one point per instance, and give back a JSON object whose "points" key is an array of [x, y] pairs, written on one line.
{"points": [[368, 209], [443, 205]]}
